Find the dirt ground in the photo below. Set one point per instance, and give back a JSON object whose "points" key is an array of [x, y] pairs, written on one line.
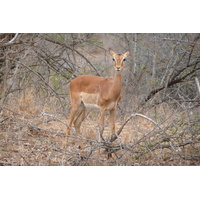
{"points": [[40, 140]]}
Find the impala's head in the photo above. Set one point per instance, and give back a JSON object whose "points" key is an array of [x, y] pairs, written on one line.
{"points": [[119, 60]]}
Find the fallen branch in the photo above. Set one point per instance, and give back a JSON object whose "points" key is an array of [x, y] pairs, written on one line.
{"points": [[5, 163], [169, 146], [115, 136]]}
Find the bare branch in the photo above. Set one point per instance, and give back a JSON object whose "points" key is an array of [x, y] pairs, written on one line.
{"points": [[197, 83], [114, 137], [11, 41]]}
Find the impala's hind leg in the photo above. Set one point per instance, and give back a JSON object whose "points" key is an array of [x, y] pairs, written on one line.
{"points": [[79, 119], [73, 112], [78, 122]]}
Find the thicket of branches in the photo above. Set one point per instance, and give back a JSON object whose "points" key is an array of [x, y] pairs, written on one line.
{"points": [[162, 71]]}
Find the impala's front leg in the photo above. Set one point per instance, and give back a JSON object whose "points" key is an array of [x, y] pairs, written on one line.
{"points": [[102, 123], [112, 120]]}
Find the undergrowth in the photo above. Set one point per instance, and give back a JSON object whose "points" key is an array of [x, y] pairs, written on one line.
{"points": [[33, 133]]}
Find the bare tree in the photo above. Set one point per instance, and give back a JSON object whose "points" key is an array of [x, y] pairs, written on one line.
{"points": [[158, 115]]}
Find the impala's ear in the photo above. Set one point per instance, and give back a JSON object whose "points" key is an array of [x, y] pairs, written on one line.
{"points": [[112, 53], [126, 54]]}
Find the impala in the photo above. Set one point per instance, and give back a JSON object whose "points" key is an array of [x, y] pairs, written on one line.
{"points": [[88, 91]]}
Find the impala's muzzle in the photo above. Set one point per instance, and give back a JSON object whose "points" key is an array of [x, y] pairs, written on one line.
{"points": [[118, 69]]}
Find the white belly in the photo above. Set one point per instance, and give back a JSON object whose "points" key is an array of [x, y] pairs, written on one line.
{"points": [[90, 100], [92, 106]]}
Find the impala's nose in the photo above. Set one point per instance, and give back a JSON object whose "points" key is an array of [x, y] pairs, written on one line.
{"points": [[118, 69]]}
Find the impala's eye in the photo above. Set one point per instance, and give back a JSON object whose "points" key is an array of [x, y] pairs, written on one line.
{"points": [[113, 59], [124, 59]]}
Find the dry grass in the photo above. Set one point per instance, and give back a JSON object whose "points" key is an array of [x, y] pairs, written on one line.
{"points": [[28, 136]]}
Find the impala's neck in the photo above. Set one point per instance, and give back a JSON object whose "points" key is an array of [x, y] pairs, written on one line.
{"points": [[117, 84]]}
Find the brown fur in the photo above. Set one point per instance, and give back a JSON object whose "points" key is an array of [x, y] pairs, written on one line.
{"points": [[94, 91]]}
